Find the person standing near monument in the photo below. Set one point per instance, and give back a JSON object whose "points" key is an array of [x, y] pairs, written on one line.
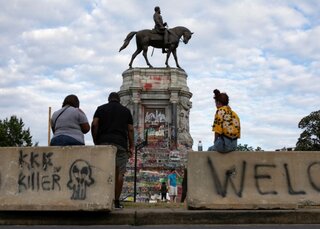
{"points": [[113, 125], [160, 27], [172, 184], [163, 191], [226, 125], [69, 124]]}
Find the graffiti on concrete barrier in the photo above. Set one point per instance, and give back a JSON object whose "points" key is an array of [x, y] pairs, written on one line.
{"points": [[261, 175], [37, 172], [311, 167], [221, 188], [80, 177], [289, 183]]}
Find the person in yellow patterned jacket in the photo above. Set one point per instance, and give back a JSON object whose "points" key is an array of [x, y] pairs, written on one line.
{"points": [[226, 125]]}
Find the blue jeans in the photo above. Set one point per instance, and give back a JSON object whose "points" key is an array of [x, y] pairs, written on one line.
{"points": [[64, 140], [224, 145]]}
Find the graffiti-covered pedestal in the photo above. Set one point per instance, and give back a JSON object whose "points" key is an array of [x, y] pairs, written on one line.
{"points": [[159, 99]]}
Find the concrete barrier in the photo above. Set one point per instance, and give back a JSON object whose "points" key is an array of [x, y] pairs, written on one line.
{"points": [[253, 180], [57, 178]]}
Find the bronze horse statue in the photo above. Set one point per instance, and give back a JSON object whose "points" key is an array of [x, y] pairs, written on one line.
{"points": [[147, 37]]}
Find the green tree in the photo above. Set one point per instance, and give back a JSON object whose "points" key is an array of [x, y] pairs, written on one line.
{"points": [[12, 133], [309, 139], [245, 147]]}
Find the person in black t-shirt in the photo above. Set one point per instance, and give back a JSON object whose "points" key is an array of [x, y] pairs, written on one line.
{"points": [[113, 125]]}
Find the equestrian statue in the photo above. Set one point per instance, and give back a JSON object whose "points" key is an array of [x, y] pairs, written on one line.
{"points": [[159, 37]]}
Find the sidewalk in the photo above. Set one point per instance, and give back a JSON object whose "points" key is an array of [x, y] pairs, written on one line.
{"points": [[161, 216]]}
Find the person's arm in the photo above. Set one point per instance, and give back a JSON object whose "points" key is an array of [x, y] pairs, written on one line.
{"points": [[131, 137], [94, 130], [178, 175], [84, 124], [217, 127], [85, 127], [51, 125]]}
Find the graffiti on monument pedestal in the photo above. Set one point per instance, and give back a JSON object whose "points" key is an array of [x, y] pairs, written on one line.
{"points": [[37, 172], [153, 166], [80, 177], [155, 160], [156, 123], [155, 116]]}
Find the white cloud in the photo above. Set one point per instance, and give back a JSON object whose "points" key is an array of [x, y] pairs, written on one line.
{"points": [[264, 54]]}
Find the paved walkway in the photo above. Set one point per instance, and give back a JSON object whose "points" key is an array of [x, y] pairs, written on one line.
{"points": [[158, 216]]}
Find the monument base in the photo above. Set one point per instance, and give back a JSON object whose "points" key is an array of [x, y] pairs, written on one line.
{"points": [[159, 99], [153, 167]]}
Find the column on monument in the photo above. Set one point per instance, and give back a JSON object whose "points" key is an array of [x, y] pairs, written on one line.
{"points": [[174, 123], [184, 138], [136, 108], [174, 112]]}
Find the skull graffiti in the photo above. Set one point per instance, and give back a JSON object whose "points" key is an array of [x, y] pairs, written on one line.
{"points": [[79, 179]]}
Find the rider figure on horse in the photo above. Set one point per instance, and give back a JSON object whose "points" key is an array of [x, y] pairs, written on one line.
{"points": [[160, 27]]}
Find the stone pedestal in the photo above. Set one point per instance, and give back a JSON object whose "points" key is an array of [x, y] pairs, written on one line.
{"points": [[159, 99]]}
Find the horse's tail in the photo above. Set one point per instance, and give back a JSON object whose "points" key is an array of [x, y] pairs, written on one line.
{"points": [[127, 40]]}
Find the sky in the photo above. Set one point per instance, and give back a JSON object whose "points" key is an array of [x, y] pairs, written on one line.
{"points": [[265, 54]]}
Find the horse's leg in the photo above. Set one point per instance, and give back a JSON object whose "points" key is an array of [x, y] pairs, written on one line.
{"points": [[174, 52], [144, 53], [168, 56], [134, 56]]}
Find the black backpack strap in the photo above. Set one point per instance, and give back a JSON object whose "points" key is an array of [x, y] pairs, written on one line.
{"points": [[55, 121]]}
